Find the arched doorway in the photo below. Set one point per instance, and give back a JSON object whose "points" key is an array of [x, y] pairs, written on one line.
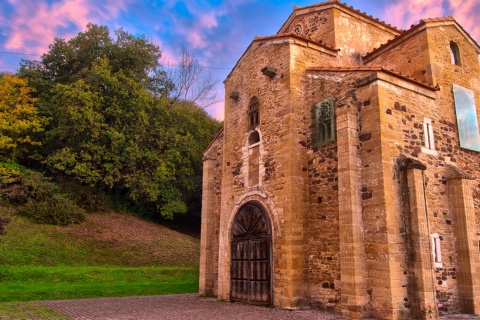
{"points": [[251, 256]]}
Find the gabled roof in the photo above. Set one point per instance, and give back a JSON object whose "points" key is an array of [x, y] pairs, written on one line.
{"points": [[376, 68], [337, 3], [424, 23], [285, 35]]}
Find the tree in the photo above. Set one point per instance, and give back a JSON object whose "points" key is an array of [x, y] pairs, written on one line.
{"points": [[19, 118], [69, 61], [190, 83], [112, 124]]}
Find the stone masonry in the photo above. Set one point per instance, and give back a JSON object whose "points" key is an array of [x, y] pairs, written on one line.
{"points": [[344, 132]]}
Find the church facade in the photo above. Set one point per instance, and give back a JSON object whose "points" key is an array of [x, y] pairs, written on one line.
{"points": [[347, 174]]}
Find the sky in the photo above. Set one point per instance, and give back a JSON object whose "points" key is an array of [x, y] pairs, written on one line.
{"points": [[217, 32]]}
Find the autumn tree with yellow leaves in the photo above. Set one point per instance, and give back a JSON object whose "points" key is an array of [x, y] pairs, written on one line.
{"points": [[19, 119]]}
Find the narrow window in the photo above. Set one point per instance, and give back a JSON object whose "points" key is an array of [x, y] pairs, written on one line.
{"points": [[436, 250], [253, 118], [253, 158], [323, 117], [428, 138], [454, 53]]}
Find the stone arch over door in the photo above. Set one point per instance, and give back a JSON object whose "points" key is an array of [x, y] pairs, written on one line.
{"points": [[251, 256]]}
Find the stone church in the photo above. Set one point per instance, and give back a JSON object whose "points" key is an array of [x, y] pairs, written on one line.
{"points": [[347, 174]]}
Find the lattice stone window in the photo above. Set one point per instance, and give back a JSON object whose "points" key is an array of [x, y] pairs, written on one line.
{"points": [[253, 116], [323, 117], [455, 53]]}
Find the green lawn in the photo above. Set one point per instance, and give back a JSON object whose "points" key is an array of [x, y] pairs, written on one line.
{"points": [[108, 255], [26, 283]]}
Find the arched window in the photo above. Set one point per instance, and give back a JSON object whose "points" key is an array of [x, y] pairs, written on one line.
{"points": [[254, 138], [455, 53], [253, 117]]}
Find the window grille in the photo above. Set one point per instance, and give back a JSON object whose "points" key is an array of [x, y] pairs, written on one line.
{"points": [[323, 116], [253, 117]]}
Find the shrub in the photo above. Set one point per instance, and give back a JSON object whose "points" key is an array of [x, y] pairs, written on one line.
{"points": [[41, 200], [86, 197], [56, 210], [31, 185]]}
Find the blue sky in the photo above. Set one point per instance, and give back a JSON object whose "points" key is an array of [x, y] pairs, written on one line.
{"points": [[216, 31]]}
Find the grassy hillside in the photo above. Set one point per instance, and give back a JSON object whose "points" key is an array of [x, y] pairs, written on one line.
{"points": [[110, 254], [103, 239]]}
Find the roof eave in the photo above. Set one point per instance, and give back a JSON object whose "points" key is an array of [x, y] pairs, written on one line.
{"points": [[415, 29]]}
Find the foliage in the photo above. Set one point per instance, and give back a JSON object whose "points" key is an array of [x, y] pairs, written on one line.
{"points": [[88, 198], [19, 119], [9, 172], [36, 197], [112, 125], [57, 210]]}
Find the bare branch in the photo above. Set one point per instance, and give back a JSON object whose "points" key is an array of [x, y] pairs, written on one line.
{"points": [[190, 82]]}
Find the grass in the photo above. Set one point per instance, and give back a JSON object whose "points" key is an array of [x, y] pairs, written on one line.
{"points": [[103, 239], [110, 254], [27, 310], [28, 283]]}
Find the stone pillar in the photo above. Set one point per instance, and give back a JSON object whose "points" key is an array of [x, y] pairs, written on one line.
{"points": [[352, 249], [207, 247], [421, 288], [468, 257]]}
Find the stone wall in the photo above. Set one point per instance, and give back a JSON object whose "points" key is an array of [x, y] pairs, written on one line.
{"points": [[355, 36], [408, 55], [359, 224], [211, 197], [346, 30], [276, 175]]}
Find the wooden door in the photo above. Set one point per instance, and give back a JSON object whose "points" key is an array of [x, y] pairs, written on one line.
{"points": [[250, 265]]}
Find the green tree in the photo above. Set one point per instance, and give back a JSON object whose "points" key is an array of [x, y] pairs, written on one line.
{"points": [[112, 125]]}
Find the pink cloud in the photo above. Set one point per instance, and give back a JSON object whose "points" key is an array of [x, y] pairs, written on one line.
{"points": [[405, 13], [466, 13], [37, 22], [208, 20], [197, 34]]}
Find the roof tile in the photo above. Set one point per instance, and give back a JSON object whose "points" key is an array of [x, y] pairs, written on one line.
{"points": [[413, 28]]}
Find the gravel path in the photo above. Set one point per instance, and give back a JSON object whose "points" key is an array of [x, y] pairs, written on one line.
{"points": [[183, 307]]}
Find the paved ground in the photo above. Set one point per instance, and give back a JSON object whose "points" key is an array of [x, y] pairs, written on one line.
{"points": [[182, 307]]}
